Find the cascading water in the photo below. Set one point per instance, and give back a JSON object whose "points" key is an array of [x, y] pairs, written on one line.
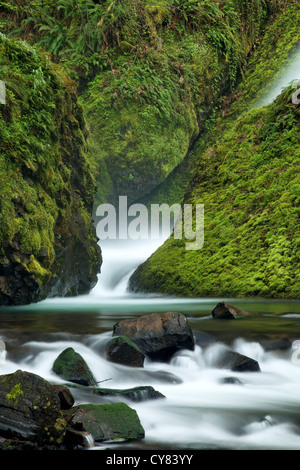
{"points": [[120, 259], [289, 73]]}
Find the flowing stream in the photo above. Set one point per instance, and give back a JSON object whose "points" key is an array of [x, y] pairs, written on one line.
{"points": [[205, 407], [202, 408]]}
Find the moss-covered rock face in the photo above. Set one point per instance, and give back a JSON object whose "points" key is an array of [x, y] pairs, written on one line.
{"points": [[267, 62], [243, 172], [250, 187], [48, 244], [167, 69]]}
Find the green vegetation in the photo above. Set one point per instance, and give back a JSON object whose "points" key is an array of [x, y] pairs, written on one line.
{"points": [[164, 76], [14, 394], [250, 187], [71, 366], [46, 185], [108, 422], [150, 74]]}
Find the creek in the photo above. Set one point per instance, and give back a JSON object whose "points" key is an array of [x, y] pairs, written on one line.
{"points": [[202, 409]]}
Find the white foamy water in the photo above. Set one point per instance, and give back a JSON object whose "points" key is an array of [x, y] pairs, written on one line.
{"points": [[288, 74], [120, 259], [260, 411]]}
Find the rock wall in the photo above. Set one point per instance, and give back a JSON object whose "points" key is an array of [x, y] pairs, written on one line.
{"points": [[48, 244]]}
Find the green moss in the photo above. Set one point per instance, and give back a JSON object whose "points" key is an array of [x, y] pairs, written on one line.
{"points": [[110, 422], [14, 394], [249, 185], [46, 182], [41, 274], [148, 105]]}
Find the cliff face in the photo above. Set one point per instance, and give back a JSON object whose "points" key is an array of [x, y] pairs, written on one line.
{"points": [[247, 178], [48, 244]]}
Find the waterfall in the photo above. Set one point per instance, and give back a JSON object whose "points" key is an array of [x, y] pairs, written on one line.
{"points": [[288, 74]]}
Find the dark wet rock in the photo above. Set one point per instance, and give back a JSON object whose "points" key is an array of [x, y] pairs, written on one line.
{"points": [[65, 396], [14, 444], [78, 437], [30, 410], [158, 335], [123, 351], [106, 422], [71, 366], [137, 394], [226, 311], [236, 362]]}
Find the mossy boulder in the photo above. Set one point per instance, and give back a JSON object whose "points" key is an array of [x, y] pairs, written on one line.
{"points": [[71, 366], [48, 244], [106, 422], [30, 409], [123, 351]]}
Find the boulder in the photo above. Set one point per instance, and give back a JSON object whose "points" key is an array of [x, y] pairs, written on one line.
{"points": [[236, 362], [122, 351], [30, 409], [106, 422], [226, 311], [71, 366], [203, 339], [158, 335]]}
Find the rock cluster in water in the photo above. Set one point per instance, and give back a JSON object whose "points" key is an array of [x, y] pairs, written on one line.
{"points": [[35, 414]]}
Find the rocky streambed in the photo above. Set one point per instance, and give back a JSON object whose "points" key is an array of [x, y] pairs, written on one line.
{"points": [[36, 413]]}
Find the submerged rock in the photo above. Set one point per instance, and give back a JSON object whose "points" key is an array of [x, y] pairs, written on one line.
{"points": [[231, 380], [30, 409], [226, 311], [71, 366], [106, 422], [158, 335], [142, 393], [225, 358]]}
